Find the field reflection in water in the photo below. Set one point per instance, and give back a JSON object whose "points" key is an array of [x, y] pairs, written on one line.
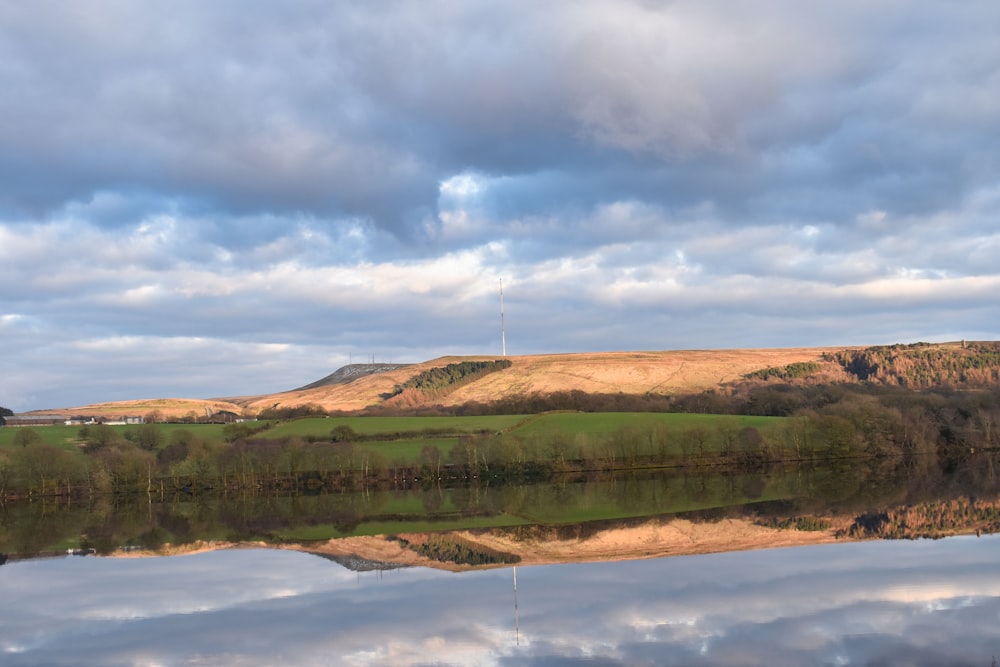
{"points": [[773, 497], [887, 602]]}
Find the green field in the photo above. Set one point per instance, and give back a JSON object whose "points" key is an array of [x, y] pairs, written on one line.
{"points": [[411, 431], [408, 449], [59, 436], [68, 437], [403, 438], [546, 424], [469, 444], [369, 426], [605, 423]]}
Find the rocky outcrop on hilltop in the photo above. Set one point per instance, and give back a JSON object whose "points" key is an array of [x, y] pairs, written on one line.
{"points": [[350, 373]]}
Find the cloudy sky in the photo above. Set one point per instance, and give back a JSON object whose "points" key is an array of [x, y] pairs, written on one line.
{"points": [[921, 603], [203, 199]]}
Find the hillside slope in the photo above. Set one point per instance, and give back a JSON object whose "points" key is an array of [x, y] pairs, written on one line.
{"points": [[166, 408], [963, 365], [597, 372]]}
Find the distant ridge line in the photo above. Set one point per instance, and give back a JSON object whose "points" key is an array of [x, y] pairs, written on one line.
{"points": [[351, 372], [357, 387]]}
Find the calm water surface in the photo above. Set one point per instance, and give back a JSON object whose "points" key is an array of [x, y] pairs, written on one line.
{"points": [[871, 603]]}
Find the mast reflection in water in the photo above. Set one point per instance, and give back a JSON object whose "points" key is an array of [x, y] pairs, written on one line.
{"points": [[887, 602]]}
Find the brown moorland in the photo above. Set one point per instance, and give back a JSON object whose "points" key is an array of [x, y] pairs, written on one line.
{"points": [[595, 372], [168, 408], [658, 372]]}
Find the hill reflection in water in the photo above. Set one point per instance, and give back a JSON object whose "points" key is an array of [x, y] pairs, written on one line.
{"points": [[886, 602]]}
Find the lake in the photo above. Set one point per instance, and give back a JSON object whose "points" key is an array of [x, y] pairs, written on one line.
{"points": [[843, 602], [867, 603], [839, 495]]}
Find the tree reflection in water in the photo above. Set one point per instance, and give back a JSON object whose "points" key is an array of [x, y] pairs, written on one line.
{"points": [[916, 497]]}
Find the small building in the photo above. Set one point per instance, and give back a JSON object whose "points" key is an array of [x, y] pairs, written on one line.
{"points": [[34, 420], [223, 417], [124, 420], [81, 420]]}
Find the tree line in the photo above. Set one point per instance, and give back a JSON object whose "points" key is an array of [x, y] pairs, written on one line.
{"points": [[822, 423], [923, 365], [436, 382]]}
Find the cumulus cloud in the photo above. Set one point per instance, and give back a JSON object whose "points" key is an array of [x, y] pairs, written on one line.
{"points": [[335, 178]]}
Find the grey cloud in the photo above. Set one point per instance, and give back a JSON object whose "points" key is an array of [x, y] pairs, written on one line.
{"points": [[652, 175], [192, 105], [342, 111]]}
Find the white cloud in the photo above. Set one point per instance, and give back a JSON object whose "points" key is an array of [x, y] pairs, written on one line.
{"points": [[328, 176]]}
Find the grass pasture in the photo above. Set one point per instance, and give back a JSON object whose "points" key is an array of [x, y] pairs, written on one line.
{"points": [[390, 426], [64, 437], [402, 438], [606, 423], [666, 437], [68, 437], [562, 438], [408, 450]]}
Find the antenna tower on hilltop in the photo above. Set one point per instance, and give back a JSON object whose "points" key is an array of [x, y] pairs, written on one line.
{"points": [[503, 334]]}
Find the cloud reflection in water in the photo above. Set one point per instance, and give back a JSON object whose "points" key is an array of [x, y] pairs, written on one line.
{"points": [[917, 603]]}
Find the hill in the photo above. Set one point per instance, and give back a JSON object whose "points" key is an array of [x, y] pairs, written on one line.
{"points": [[456, 380], [598, 372], [349, 373], [167, 408]]}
